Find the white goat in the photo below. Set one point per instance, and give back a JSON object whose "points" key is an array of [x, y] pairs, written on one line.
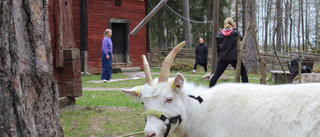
{"points": [[226, 110]]}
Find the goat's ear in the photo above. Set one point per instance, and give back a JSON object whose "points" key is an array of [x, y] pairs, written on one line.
{"points": [[178, 81], [134, 92]]}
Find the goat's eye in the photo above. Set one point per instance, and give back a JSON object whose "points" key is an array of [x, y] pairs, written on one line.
{"points": [[169, 100]]}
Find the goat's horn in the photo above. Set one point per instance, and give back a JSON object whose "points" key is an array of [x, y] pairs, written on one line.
{"points": [[166, 65], [147, 70]]}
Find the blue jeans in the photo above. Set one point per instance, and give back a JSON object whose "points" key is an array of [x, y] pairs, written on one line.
{"points": [[106, 66]]}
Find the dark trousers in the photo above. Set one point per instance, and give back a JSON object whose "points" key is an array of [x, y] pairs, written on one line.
{"points": [[222, 66], [106, 66], [202, 64]]}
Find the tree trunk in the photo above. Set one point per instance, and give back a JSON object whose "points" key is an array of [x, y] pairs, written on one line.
{"points": [[286, 21], [237, 13], [244, 16], [306, 28], [240, 49], [302, 25], [266, 26], [279, 24], [251, 51], [161, 28], [299, 44], [317, 25], [29, 99], [186, 23], [214, 34], [290, 16], [208, 26]]}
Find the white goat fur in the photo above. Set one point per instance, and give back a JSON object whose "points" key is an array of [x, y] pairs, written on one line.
{"points": [[233, 110]]}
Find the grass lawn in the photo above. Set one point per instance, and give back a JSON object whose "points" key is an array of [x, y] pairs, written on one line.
{"points": [[112, 113]]}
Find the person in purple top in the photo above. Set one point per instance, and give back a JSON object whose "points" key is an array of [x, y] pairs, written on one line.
{"points": [[106, 56]]}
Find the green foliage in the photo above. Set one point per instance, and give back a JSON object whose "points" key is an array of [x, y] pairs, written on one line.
{"points": [[168, 22], [181, 66]]}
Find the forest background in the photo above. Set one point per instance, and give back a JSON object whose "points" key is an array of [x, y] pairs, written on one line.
{"points": [[288, 24]]}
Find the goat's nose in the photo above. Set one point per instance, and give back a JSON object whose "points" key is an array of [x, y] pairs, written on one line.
{"points": [[150, 134]]}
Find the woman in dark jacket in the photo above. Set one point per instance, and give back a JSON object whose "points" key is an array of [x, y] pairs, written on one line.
{"points": [[201, 55], [227, 51]]}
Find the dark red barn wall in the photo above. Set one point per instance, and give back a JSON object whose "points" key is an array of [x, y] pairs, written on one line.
{"points": [[76, 22], [53, 37], [65, 52], [98, 14]]}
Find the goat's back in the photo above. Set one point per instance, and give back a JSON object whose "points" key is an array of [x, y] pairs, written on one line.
{"points": [[261, 110]]}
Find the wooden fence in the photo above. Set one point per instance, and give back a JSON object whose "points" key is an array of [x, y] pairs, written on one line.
{"points": [[156, 56]]}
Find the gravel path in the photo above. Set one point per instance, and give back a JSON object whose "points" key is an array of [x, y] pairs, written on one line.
{"points": [[104, 89], [130, 73], [119, 89]]}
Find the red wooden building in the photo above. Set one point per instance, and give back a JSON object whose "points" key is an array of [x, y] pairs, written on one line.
{"points": [[76, 28], [66, 54], [92, 17]]}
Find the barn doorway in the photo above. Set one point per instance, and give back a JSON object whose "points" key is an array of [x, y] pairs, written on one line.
{"points": [[120, 40]]}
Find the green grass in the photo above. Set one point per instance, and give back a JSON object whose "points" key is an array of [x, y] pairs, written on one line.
{"points": [[112, 113], [117, 84], [107, 98], [101, 122]]}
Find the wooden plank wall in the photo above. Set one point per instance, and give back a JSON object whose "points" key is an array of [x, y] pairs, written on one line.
{"points": [[65, 52], [76, 22], [98, 13]]}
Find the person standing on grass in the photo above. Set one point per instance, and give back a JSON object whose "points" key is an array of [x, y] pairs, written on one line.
{"points": [[227, 51], [106, 56], [201, 55]]}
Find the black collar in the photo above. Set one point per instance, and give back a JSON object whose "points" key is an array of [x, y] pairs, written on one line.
{"points": [[197, 98], [172, 120]]}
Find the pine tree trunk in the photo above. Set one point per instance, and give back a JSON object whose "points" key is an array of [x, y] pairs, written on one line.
{"points": [[302, 25], [279, 24], [307, 28], [161, 28], [214, 34], [251, 51], [317, 25], [266, 26], [298, 27], [243, 16], [186, 23], [286, 20], [29, 95], [290, 16]]}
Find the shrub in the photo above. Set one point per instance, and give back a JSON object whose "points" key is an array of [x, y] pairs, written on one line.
{"points": [[181, 66], [316, 68], [314, 51]]}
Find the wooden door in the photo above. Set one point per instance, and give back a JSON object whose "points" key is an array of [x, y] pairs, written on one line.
{"points": [[120, 42]]}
